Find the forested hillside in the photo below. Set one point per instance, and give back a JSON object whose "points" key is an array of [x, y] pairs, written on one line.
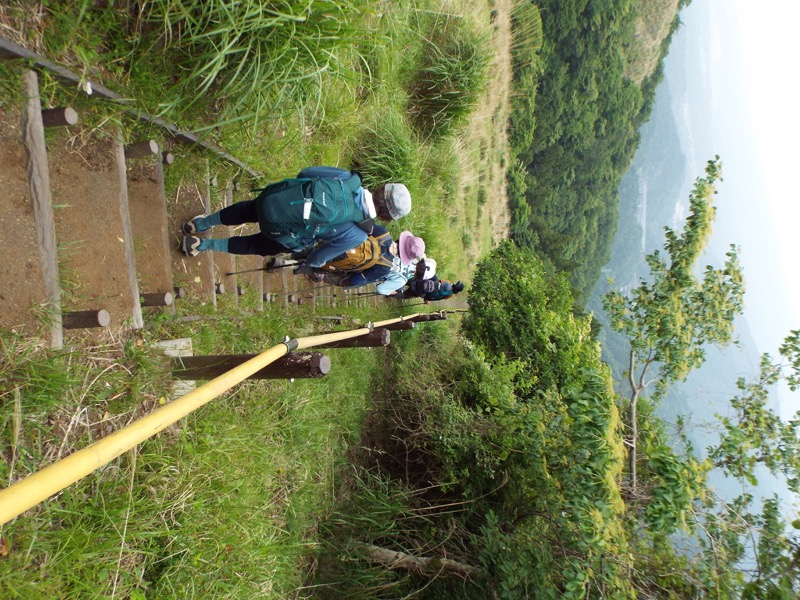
{"points": [[580, 137]]}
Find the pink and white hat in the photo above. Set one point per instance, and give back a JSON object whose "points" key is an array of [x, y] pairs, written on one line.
{"points": [[410, 247]]}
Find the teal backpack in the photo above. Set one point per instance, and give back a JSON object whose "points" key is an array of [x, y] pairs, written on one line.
{"points": [[307, 207]]}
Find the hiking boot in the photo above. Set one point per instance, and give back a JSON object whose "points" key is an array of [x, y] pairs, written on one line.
{"points": [[191, 245], [190, 227]]}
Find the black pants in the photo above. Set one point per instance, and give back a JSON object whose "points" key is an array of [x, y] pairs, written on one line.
{"points": [[239, 214]]}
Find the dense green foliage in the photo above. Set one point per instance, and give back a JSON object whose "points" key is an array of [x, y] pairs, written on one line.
{"points": [[586, 117], [512, 461], [521, 307]]}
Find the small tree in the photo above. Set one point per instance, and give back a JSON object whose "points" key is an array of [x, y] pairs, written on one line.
{"points": [[754, 434], [670, 317]]}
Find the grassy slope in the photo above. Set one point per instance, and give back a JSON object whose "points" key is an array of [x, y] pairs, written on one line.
{"points": [[225, 504], [653, 24]]}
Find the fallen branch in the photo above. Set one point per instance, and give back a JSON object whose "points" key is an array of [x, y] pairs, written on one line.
{"points": [[428, 566]]}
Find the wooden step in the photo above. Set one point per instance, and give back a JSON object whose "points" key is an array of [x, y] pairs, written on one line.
{"points": [[150, 224], [29, 268], [195, 275], [224, 262], [93, 228]]}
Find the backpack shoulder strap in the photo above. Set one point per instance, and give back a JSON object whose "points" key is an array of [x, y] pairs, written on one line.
{"points": [[384, 262], [381, 238], [366, 225]]}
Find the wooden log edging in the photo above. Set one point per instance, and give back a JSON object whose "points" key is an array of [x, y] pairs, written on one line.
{"points": [[296, 365], [430, 317], [400, 326], [229, 259], [141, 149], [41, 198], [157, 299], [86, 319], [208, 257], [137, 320], [59, 117], [379, 338]]}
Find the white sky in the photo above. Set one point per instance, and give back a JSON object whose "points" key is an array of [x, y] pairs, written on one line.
{"points": [[756, 100], [769, 35]]}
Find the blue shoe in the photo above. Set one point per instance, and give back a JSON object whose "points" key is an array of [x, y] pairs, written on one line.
{"points": [[191, 227], [191, 245]]}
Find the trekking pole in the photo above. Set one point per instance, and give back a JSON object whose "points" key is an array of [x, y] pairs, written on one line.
{"points": [[268, 268], [311, 289]]}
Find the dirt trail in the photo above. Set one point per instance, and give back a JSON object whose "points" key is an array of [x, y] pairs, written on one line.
{"points": [[483, 147]]}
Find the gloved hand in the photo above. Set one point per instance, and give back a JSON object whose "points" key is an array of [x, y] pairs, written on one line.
{"points": [[303, 269]]}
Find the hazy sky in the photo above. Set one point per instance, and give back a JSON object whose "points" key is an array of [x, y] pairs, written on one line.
{"points": [[747, 53]]}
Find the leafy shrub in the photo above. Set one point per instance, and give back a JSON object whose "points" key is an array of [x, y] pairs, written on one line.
{"points": [[520, 307], [670, 481], [567, 539]]}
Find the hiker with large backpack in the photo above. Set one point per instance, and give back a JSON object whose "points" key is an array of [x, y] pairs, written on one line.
{"points": [[360, 266], [423, 281], [321, 204]]}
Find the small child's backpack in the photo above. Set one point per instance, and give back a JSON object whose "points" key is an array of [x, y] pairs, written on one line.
{"points": [[445, 289], [307, 207], [362, 257], [420, 287]]}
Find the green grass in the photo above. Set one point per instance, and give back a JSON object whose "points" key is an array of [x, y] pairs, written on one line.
{"points": [[221, 505]]}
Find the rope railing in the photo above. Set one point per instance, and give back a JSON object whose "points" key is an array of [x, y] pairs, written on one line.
{"points": [[11, 50]]}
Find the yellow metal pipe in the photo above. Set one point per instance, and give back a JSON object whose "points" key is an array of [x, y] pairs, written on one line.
{"points": [[317, 340], [28, 492], [36, 488], [398, 320]]}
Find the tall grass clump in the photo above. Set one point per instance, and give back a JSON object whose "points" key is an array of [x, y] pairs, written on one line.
{"points": [[451, 76], [526, 22], [31, 377], [256, 57], [386, 151]]}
